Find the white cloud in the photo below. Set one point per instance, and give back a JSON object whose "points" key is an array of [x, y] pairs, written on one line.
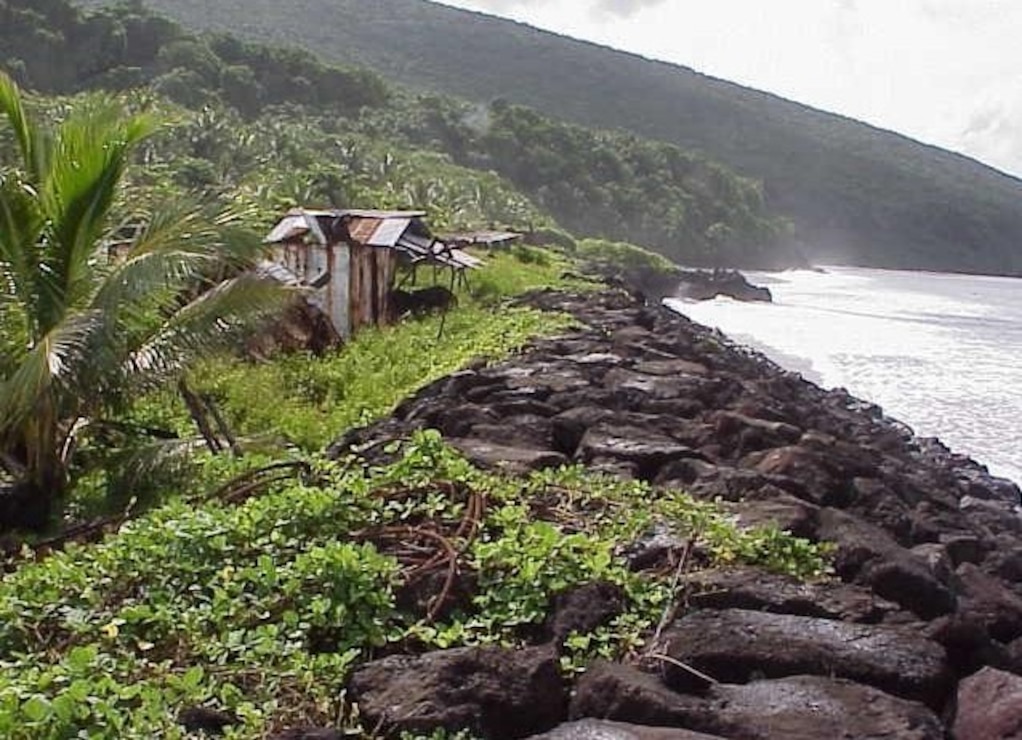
{"points": [[625, 8]]}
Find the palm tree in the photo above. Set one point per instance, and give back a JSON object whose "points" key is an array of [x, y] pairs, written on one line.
{"points": [[82, 333]]}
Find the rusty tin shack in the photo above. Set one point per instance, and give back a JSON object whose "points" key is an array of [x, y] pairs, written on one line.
{"points": [[348, 258]]}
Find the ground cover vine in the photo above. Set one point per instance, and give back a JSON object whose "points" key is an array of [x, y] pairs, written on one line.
{"points": [[259, 610]]}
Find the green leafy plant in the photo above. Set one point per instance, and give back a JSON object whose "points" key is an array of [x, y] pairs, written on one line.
{"points": [[82, 332], [261, 609]]}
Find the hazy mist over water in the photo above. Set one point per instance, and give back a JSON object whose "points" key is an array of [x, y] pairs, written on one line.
{"points": [[940, 352]]}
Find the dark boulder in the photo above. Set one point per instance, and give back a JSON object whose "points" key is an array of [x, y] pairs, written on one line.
{"points": [[794, 708], [989, 707], [584, 608], [701, 285], [737, 645], [491, 692], [751, 589]]}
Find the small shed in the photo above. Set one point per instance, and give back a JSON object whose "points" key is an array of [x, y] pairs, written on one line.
{"points": [[348, 258]]}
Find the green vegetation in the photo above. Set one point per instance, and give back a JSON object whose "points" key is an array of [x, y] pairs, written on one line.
{"points": [[260, 609], [856, 194], [251, 583], [82, 334], [317, 398], [274, 127]]}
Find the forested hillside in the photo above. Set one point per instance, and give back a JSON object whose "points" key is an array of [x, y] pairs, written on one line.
{"points": [[275, 127], [856, 194]]}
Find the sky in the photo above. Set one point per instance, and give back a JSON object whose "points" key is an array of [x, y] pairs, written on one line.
{"points": [[945, 72]]}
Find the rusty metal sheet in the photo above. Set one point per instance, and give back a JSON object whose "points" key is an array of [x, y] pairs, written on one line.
{"points": [[388, 232], [362, 229]]}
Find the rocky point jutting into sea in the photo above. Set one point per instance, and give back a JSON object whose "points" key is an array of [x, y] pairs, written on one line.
{"points": [[917, 635]]}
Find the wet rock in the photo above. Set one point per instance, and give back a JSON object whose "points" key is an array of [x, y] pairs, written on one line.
{"points": [[670, 367], [657, 387], [813, 707], [750, 589], [205, 720], [967, 643], [701, 285], [818, 484], [654, 548], [525, 430], [594, 729], [584, 608], [307, 733], [794, 708], [618, 692], [491, 692], [928, 544], [968, 548], [568, 427], [987, 601], [750, 434], [459, 420], [645, 449], [737, 645], [989, 706], [869, 555], [778, 510], [510, 459]]}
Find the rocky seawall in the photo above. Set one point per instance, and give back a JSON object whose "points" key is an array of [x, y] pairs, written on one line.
{"points": [[918, 635]]}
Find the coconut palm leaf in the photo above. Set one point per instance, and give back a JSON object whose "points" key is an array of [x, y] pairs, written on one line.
{"points": [[51, 366], [32, 141], [82, 334], [177, 244], [206, 325], [78, 194], [20, 225]]}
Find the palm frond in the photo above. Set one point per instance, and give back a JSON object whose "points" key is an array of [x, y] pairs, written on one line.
{"points": [[78, 194], [210, 323], [53, 364], [179, 243], [32, 141], [20, 225]]}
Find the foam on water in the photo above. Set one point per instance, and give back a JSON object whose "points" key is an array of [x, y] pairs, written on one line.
{"points": [[940, 352]]}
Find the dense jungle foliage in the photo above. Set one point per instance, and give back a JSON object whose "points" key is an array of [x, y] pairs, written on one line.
{"points": [[280, 122], [856, 194]]}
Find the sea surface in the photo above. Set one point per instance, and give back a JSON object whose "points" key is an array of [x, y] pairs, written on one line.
{"points": [[940, 352]]}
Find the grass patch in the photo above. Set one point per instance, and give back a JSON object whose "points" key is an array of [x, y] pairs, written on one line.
{"points": [[310, 401], [261, 609]]}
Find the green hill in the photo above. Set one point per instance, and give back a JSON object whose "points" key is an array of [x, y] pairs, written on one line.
{"points": [[857, 194], [318, 133]]}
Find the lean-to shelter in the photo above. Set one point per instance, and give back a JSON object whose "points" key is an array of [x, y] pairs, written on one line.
{"points": [[348, 258]]}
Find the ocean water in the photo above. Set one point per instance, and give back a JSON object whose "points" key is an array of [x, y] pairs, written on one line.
{"points": [[940, 352]]}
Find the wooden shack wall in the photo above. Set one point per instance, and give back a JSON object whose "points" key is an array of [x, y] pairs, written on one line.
{"points": [[372, 276], [308, 262]]}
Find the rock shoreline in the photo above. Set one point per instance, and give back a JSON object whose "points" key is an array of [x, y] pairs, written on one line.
{"points": [[919, 635]]}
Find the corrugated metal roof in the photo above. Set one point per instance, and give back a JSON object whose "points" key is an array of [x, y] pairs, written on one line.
{"points": [[394, 229], [481, 237], [362, 229], [289, 227], [276, 271], [358, 213], [388, 231], [354, 212]]}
